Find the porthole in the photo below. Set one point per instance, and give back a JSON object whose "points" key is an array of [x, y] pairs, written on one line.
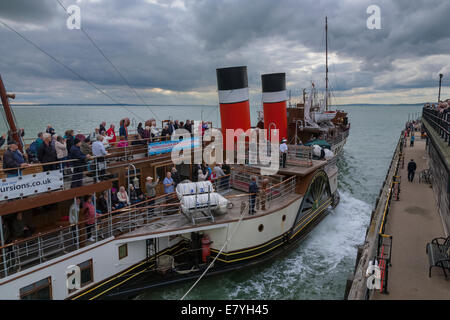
{"points": [[260, 228], [283, 218]]}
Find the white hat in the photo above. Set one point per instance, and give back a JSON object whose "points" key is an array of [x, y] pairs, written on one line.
{"points": [[149, 178]]}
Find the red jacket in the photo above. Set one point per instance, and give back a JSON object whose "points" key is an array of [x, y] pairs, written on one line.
{"points": [[110, 132]]}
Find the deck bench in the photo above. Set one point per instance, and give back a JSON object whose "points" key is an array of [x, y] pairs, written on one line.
{"points": [[438, 251]]}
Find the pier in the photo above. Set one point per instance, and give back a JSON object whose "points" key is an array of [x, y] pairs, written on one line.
{"points": [[407, 216], [413, 222]]}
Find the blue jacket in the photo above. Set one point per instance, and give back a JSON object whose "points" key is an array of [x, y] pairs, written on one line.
{"points": [[253, 188], [75, 153]]}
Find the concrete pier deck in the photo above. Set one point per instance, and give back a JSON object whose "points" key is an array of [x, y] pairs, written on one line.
{"points": [[414, 221]]}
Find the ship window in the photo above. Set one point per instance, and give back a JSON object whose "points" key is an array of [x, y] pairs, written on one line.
{"points": [[260, 228], [40, 290], [283, 218], [123, 251], [86, 270]]}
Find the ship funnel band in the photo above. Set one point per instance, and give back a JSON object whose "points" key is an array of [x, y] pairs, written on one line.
{"points": [[272, 97], [232, 78], [273, 82], [233, 96]]}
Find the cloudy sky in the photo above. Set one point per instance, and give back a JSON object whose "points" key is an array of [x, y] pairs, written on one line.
{"points": [[168, 50]]}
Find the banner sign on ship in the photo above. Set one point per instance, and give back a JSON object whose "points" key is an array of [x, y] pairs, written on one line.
{"points": [[16, 187], [168, 146]]}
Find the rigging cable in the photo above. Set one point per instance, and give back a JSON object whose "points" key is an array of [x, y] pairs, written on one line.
{"points": [[66, 67], [218, 254], [112, 64]]}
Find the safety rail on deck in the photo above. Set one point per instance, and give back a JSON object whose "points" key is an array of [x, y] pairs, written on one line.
{"points": [[440, 121], [93, 170], [339, 137], [300, 155], [153, 213]]}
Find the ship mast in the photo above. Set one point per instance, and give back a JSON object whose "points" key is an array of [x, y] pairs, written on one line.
{"points": [[9, 114], [326, 64]]}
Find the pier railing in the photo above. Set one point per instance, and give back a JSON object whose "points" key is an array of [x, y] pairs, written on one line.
{"points": [[440, 121]]}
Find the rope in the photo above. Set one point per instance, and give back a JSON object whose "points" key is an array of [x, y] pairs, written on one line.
{"points": [[218, 254], [112, 64]]}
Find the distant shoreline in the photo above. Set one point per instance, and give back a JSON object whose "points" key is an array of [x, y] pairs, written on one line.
{"points": [[181, 105]]}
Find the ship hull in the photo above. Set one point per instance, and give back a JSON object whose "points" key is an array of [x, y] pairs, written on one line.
{"points": [[132, 286], [245, 248]]}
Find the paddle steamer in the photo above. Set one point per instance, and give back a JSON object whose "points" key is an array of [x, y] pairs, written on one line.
{"points": [[171, 237]]}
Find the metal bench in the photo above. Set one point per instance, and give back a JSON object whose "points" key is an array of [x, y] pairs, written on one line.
{"points": [[438, 251]]}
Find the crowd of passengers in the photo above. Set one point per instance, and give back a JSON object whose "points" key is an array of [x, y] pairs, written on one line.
{"points": [[52, 149], [15, 227]]}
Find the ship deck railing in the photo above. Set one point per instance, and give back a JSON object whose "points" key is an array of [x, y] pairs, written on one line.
{"points": [[159, 214], [440, 122], [298, 155], [94, 170], [338, 138]]}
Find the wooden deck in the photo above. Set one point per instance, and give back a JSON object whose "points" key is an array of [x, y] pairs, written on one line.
{"points": [[179, 222]]}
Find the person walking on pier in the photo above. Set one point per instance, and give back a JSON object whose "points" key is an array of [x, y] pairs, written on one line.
{"points": [[412, 166], [412, 139]]}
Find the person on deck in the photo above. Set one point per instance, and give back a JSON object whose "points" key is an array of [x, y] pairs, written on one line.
{"points": [[69, 139], [150, 187], [151, 192], [110, 132], [78, 166], [412, 140], [50, 130], [135, 194], [20, 228], [74, 214], [98, 151], [201, 176], [2, 140], [102, 127], [176, 177], [140, 130], [253, 190], [90, 216], [168, 183], [412, 166], [122, 195], [102, 203], [123, 130], [61, 149], [165, 131], [13, 159], [283, 151], [188, 126], [47, 153]]}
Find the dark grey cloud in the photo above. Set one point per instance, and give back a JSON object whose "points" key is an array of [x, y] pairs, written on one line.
{"points": [[27, 11], [176, 45]]}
